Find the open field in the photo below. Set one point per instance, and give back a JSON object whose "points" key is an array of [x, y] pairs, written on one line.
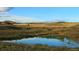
{"points": [[31, 30], [56, 30], [65, 24]]}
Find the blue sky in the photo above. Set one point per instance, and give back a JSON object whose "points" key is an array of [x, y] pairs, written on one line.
{"points": [[48, 13]]}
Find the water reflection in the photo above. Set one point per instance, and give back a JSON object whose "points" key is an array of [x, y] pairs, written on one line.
{"points": [[47, 41], [70, 43]]}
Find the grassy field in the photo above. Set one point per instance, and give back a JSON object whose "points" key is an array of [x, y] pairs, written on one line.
{"points": [[54, 24], [38, 47], [49, 30], [31, 30]]}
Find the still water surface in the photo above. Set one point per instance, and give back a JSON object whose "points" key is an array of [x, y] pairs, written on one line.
{"points": [[47, 41]]}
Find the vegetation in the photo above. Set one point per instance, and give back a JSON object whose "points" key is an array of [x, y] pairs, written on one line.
{"points": [[21, 47], [55, 30], [24, 31]]}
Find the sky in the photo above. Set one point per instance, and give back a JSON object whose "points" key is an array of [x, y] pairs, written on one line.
{"points": [[46, 14]]}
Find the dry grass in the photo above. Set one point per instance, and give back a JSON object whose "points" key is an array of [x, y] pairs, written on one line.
{"points": [[25, 47], [70, 30], [25, 30], [65, 24]]}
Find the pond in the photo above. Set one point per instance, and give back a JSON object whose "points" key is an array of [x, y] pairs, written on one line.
{"points": [[46, 41]]}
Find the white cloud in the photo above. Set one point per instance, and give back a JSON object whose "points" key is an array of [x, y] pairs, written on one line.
{"points": [[4, 9], [21, 19], [25, 19]]}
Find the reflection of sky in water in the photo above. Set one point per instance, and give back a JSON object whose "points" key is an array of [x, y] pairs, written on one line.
{"points": [[70, 43], [46, 41]]}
